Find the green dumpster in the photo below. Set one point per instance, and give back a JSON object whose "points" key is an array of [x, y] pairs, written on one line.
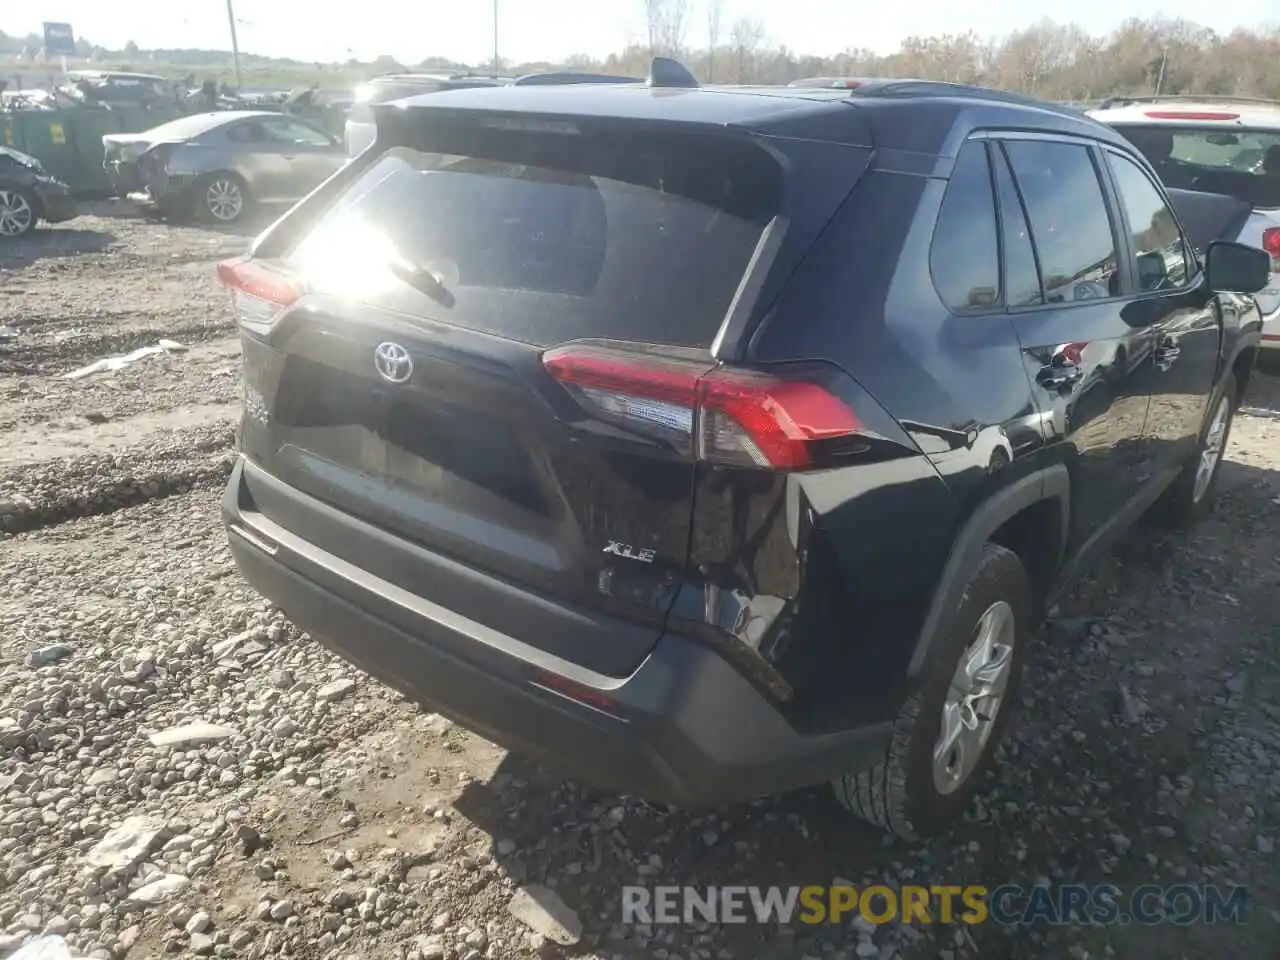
{"points": [[87, 129], [44, 134]]}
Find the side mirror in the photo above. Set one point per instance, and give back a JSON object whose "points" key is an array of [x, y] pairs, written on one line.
{"points": [[1236, 268]]}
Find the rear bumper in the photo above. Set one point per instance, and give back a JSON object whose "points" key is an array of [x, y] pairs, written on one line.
{"points": [[1271, 330], [58, 206], [164, 204], [685, 728]]}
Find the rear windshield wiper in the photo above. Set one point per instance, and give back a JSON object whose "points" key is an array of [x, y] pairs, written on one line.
{"points": [[422, 280]]}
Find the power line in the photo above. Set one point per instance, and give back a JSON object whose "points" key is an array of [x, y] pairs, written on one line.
{"points": [[235, 44]]}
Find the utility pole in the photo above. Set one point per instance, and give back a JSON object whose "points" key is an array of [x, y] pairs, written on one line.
{"points": [[235, 45], [497, 68]]}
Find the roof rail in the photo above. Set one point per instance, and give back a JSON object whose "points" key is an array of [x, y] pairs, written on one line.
{"points": [[565, 76], [666, 72], [945, 88], [1168, 97], [827, 83]]}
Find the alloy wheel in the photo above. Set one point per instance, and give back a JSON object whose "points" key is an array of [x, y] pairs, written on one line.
{"points": [[1212, 449], [974, 698], [16, 215], [224, 200]]}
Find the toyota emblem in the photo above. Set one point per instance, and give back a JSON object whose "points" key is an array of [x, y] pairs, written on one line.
{"points": [[393, 362]]}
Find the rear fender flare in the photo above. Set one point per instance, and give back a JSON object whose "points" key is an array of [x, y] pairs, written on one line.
{"points": [[1050, 483]]}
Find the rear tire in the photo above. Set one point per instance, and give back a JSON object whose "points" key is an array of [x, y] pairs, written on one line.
{"points": [[1191, 497], [220, 198], [19, 212], [925, 780]]}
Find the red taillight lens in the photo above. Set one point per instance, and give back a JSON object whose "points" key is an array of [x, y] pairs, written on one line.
{"points": [[258, 294], [720, 415], [1271, 242]]}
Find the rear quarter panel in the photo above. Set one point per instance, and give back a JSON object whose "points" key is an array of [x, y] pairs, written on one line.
{"points": [[951, 399]]}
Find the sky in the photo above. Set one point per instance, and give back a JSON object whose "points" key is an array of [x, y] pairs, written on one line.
{"points": [[531, 30]]}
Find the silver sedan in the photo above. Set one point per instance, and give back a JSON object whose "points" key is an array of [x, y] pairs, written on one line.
{"points": [[218, 166]]}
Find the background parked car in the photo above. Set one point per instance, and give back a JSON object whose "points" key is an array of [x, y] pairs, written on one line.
{"points": [[217, 166], [1223, 145], [28, 194]]}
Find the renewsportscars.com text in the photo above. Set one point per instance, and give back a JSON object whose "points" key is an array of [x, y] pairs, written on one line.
{"points": [[1078, 904]]}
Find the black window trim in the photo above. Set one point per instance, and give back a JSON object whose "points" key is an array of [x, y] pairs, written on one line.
{"points": [[999, 155], [1195, 273], [1128, 283]]}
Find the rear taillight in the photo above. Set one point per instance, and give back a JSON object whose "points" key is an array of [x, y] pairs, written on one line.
{"points": [[1192, 115], [732, 417], [157, 156], [1271, 244], [258, 294]]}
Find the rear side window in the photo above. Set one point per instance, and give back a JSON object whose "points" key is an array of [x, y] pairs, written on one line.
{"points": [[1157, 241], [550, 237], [965, 257], [251, 131], [1069, 219]]}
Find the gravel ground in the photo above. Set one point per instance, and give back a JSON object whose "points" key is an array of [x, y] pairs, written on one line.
{"points": [[182, 772]]}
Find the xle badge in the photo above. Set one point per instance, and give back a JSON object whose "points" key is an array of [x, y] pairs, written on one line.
{"points": [[630, 552]]}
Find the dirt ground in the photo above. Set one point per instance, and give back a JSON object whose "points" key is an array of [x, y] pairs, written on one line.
{"points": [[323, 816]]}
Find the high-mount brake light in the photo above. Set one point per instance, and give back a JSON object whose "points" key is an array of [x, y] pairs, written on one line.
{"points": [[1271, 243], [733, 417], [1192, 115], [258, 294]]}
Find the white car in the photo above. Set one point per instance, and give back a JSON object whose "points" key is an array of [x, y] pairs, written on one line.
{"points": [[1225, 145]]}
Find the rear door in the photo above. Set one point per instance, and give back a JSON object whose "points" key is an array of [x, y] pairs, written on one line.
{"points": [[310, 156], [1083, 358], [444, 377], [1172, 301], [258, 158]]}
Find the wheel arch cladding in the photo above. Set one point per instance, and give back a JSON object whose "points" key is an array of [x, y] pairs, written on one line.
{"points": [[1046, 490]]}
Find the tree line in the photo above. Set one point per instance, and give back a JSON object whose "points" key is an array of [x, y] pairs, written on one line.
{"points": [[1057, 61]]}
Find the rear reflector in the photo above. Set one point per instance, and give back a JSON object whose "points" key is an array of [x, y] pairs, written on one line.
{"points": [[733, 417], [1191, 115], [1271, 243], [575, 691], [258, 294]]}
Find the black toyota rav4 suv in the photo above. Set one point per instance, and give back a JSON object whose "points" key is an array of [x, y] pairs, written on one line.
{"points": [[709, 443]]}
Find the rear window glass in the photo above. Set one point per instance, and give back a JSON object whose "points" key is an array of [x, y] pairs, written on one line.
{"points": [[1244, 164], [546, 238]]}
